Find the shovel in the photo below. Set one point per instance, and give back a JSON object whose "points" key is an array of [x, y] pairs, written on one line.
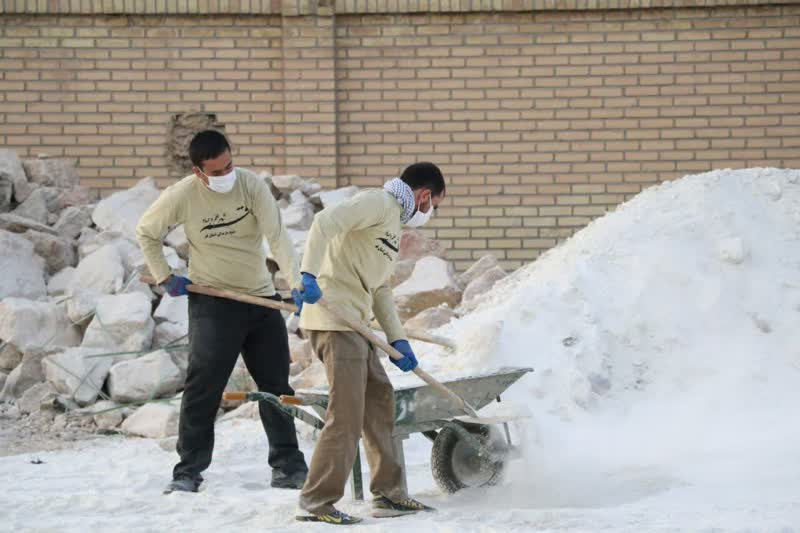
{"points": [[291, 308]]}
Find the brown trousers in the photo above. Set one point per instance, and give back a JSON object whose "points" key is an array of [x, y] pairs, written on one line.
{"points": [[361, 399]]}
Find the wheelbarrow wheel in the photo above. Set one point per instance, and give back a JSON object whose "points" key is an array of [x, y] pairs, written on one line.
{"points": [[456, 465]]}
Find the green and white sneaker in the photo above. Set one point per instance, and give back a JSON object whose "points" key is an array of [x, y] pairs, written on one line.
{"points": [[383, 507], [337, 518]]}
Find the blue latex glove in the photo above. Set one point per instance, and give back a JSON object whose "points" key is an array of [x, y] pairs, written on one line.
{"points": [[409, 360], [311, 292], [297, 296], [176, 285]]}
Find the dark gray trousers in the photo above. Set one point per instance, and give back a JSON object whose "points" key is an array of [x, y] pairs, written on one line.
{"points": [[219, 330]]}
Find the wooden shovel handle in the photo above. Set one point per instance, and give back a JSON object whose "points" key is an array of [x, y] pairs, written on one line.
{"points": [[281, 306], [367, 333], [222, 293]]}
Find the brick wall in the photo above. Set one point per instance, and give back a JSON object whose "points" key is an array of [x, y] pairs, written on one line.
{"points": [[541, 120]]}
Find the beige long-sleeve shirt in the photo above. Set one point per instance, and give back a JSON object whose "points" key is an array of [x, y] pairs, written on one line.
{"points": [[352, 249], [225, 233]]}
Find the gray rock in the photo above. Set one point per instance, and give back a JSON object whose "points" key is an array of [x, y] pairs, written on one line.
{"points": [[51, 172], [31, 400], [173, 309], [108, 414], [10, 357], [57, 252], [76, 374], [30, 325], [102, 271], [430, 285], [414, 244], [487, 262], [61, 282], [72, 221], [23, 272], [402, 271], [154, 420], [177, 240], [17, 224], [337, 196], [483, 283], [122, 210], [3, 378], [150, 376], [287, 183], [432, 318], [11, 170], [81, 304], [27, 374], [39, 205], [121, 323], [301, 351]]}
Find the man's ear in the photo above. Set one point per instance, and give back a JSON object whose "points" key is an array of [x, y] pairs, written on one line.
{"points": [[199, 174]]}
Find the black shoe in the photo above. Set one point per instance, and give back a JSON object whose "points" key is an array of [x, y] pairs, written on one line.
{"points": [[184, 484], [336, 518], [383, 507], [282, 480]]}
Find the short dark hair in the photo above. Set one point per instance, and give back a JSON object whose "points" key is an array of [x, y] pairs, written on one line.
{"points": [[424, 176], [208, 144]]}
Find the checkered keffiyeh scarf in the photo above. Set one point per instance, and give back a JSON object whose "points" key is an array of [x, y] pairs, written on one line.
{"points": [[400, 190]]}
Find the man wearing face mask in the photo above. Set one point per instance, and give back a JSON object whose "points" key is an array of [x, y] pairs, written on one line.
{"points": [[350, 255], [226, 213]]}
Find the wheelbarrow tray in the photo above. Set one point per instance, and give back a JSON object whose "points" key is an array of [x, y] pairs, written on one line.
{"points": [[420, 408]]}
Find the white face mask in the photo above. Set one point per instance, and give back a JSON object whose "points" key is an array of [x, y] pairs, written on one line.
{"points": [[420, 218], [221, 183]]}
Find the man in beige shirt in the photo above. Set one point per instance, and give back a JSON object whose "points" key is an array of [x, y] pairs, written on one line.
{"points": [[226, 213], [350, 255]]}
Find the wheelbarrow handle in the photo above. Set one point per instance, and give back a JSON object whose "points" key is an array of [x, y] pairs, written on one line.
{"points": [[281, 306], [367, 333]]}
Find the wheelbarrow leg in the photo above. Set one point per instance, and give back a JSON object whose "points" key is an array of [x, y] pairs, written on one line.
{"points": [[401, 458], [505, 426], [357, 480]]}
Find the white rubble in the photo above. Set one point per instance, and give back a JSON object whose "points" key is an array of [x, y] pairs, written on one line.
{"points": [[81, 304], [31, 399], [108, 414], [173, 309], [429, 319], [57, 252], [27, 374], [10, 357], [59, 284], [483, 284], [53, 172], [101, 270], [487, 262], [150, 376], [36, 206], [29, 325], [177, 239], [430, 285], [72, 221], [415, 245], [11, 170], [156, 420], [76, 374], [287, 183], [336, 196], [122, 210], [23, 270], [121, 323]]}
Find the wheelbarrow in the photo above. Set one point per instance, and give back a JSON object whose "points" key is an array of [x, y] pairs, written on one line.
{"points": [[466, 451]]}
